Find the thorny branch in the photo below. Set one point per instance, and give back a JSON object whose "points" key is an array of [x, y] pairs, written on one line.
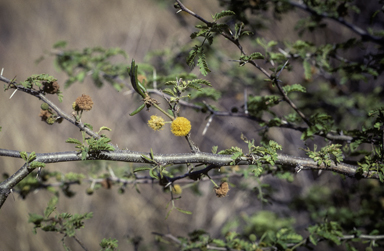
{"points": [[212, 160]]}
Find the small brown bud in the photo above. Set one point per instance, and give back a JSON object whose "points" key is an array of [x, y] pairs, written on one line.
{"points": [[84, 103], [106, 183], [45, 114], [51, 87], [222, 190]]}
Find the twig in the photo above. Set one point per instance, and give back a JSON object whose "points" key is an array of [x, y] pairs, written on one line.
{"points": [[80, 243], [235, 41], [364, 34]]}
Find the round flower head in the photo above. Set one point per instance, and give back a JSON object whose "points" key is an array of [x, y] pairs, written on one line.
{"points": [[83, 103], [156, 123], [181, 126]]}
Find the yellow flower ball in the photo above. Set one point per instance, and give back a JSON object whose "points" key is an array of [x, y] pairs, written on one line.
{"points": [[181, 126], [156, 122], [177, 189]]}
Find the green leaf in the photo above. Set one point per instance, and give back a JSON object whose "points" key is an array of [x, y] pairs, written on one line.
{"points": [[236, 155], [141, 107], [169, 92], [192, 55], [35, 218], [81, 76], [153, 173], [224, 13], [169, 212], [24, 156], [104, 128], [200, 81], [109, 244], [256, 55], [307, 70], [313, 240], [60, 44], [36, 164], [89, 126], [294, 88], [183, 211], [73, 141], [31, 157], [202, 63], [51, 206], [84, 154], [134, 80], [271, 43], [231, 150], [139, 169], [148, 159]]}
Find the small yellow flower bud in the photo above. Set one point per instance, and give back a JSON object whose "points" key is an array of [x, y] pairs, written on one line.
{"points": [[177, 189], [74, 107], [156, 123], [181, 126]]}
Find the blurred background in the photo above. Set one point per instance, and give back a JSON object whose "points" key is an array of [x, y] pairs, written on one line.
{"points": [[29, 29]]}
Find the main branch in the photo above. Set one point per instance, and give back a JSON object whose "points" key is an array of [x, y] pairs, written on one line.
{"points": [[213, 160]]}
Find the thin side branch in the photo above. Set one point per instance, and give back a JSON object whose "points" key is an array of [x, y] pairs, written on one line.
{"points": [[54, 107], [364, 34]]}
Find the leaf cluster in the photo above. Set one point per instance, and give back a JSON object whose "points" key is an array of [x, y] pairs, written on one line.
{"points": [[330, 230], [63, 223], [109, 244], [326, 155], [207, 31], [78, 64], [320, 124], [264, 154], [92, 145], [42, 82], [177, 88], [30, 160]]}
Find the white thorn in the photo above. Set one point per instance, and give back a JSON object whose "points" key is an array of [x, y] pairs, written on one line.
{"points": [[208, 123], [154, 79], [13, 94]]}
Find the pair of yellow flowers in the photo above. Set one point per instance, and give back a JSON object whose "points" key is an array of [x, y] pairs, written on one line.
{"points": [[179, 127]]}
